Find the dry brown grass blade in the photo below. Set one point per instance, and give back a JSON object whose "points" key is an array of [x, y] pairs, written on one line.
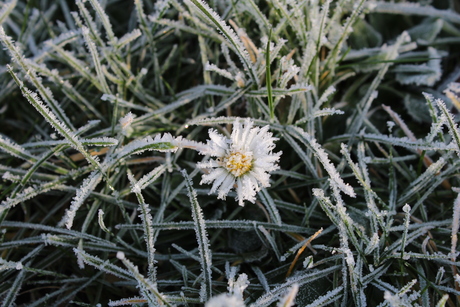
{"points": [[301, 250]]}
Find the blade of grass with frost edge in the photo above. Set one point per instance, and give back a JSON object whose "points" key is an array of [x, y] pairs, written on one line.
{"points": [[453, 128], [230, 35], [105, 21], [146, 218], [274, 294], [9, 299], [44, 92], [409, 8], [97, 63], [269, 203], [19, 151], [52, 120], [88, 185], [6, 10], [328, 298], [270, 239], [146, 287], [202, 239], [371, 93], [322, 156]]}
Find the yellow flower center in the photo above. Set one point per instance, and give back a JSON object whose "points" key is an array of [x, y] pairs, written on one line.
{"points": [[238, 163]]}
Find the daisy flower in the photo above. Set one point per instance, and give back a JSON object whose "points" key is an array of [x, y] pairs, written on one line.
{"points": [[242, 161]]}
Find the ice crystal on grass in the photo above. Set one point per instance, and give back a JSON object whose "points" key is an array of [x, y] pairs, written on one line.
{"points": [[125, 123], [225, 300], [244, 159]]}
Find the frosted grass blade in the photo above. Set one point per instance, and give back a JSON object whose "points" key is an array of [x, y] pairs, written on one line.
{"points": [[97, 64], [405, 142], [49, 116], [19, 151], [224, 224], [78, 65], [103, 265], [322, 156], [274, 294], [7, 9], [451, 124], [271, 241], [88, 185], [229, 34], [147, 222], [328, 298], [414, 9], [147, 288], [423, 181], [10, 297], [105, 21], [30, 73], [202, 239], [270, 205]]}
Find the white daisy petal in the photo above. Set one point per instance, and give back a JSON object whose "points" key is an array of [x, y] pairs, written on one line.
{"points": [[226, 186], [218, 139], [239, 192], [223, 175], [213, 175], [208, 164]]}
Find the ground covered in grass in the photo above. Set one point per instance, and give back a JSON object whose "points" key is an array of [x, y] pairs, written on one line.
{"points": [[229, 153]]}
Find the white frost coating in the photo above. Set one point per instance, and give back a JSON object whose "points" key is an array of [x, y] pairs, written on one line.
{"points": [[308, 262], [120, 255], [88, 185], [422, 74], [214, 68], [224, 300], [202, 239], [9, 265], [26, 194], [159, 8], [323, 300], [406, 208], [236, 288], [451, 124], [148, 178], [129, 37], [322, 156], [126, 120], [125, 123], [289, 299], [328, 92], [11, 177], [148, 143], [244, 159], [373, 244], [7, 9], [125, 301], [208, 13], [13, 148]]}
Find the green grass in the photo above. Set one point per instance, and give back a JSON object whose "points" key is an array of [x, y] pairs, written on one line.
{"points": [[106, 110]]}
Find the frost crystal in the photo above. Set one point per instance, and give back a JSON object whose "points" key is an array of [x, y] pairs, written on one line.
{"points": [[244, 159], [125, 123], [224, 300]]}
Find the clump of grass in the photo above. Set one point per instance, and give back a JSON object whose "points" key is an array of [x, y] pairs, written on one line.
{"points": [[112, 111]]}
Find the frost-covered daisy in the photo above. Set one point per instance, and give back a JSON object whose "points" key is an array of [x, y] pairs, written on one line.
{"points": [[242, 161]]}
